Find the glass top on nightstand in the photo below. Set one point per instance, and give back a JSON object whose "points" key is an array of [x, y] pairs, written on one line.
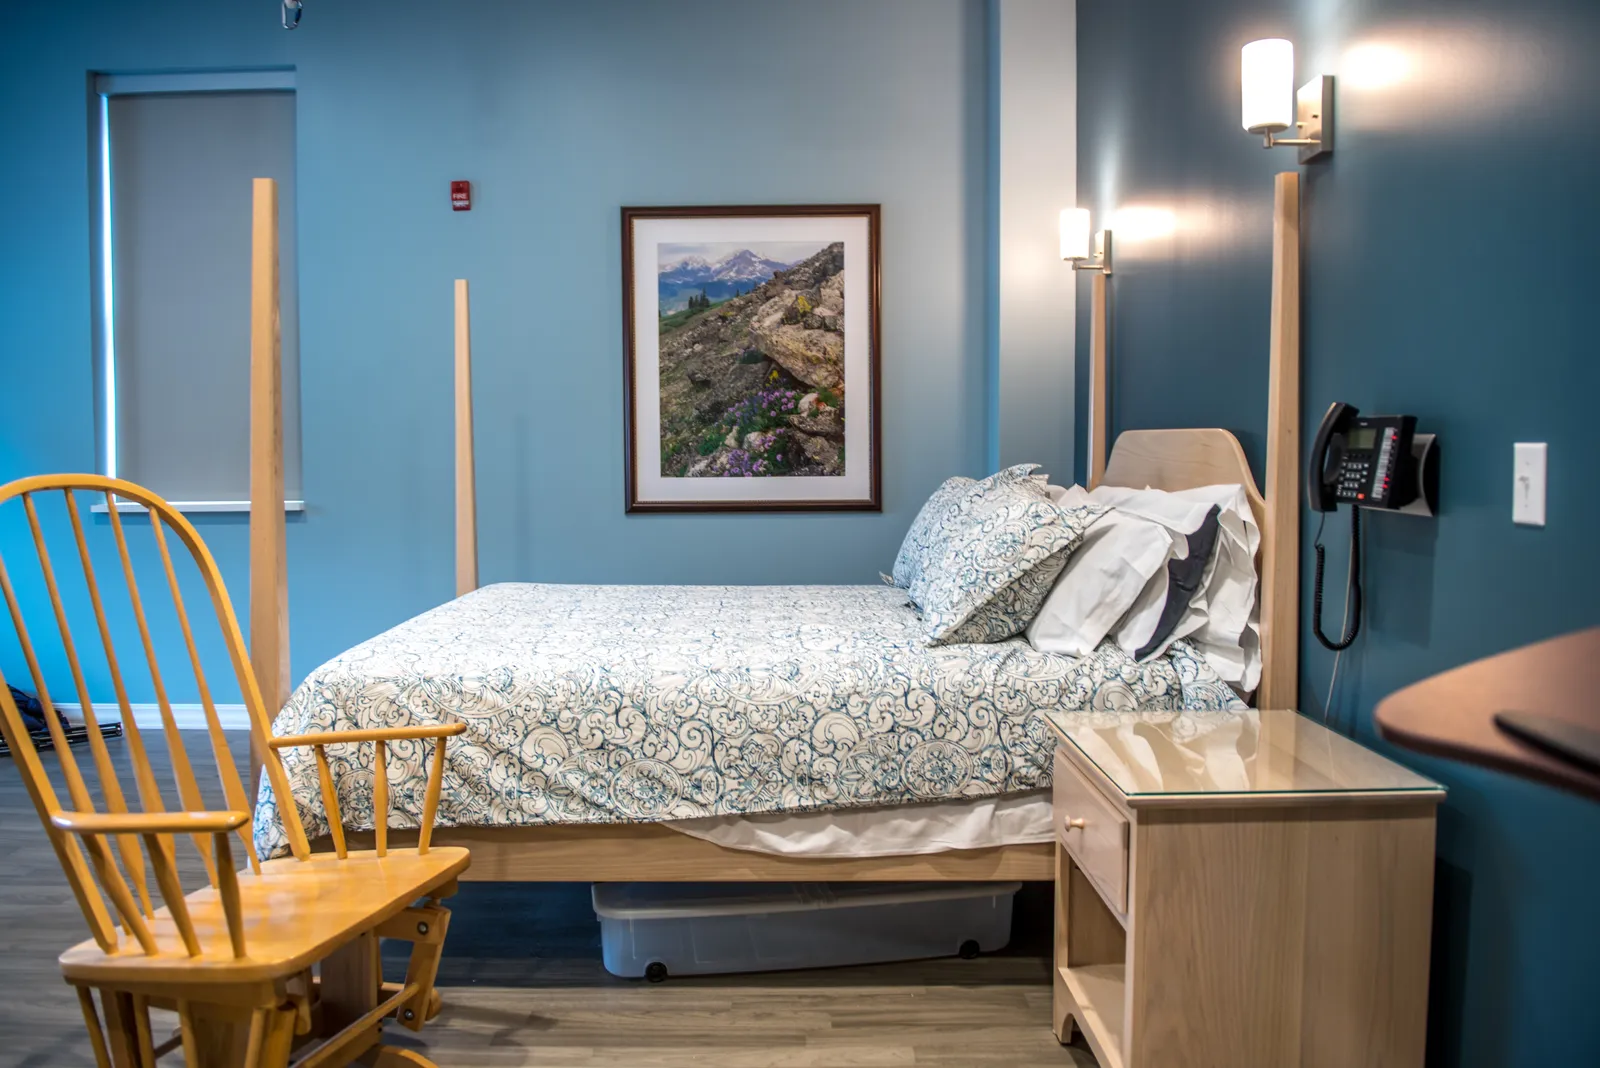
{"points": [[1152, 754]]}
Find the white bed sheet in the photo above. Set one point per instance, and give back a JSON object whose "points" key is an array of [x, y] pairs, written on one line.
{"points": [[898, 831]]}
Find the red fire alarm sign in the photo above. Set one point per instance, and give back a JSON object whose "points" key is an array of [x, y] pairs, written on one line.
{"points": [[461, 196]]}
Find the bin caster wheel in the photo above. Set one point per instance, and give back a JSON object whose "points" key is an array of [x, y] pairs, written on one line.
{"points": [[969, 949], [655, 972]]}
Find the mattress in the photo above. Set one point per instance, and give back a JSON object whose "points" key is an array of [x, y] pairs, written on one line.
{"points": [[615, 704]]}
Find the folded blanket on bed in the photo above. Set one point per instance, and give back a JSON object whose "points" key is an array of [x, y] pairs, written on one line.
{"points": [[629, 704]]}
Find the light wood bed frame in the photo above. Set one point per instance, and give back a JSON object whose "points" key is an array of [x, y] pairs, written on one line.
{"points": [[1164, 459]]}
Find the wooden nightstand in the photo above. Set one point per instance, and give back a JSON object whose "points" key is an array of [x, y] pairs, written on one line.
{"points": [[1239, 890]]}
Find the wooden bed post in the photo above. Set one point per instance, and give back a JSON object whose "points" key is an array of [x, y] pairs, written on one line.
{"points": [[269, 591], [1280, 564], [1099, 432], [466, 482]]}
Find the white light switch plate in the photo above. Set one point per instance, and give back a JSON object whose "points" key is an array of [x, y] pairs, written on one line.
{"points": [[1527, 488]]}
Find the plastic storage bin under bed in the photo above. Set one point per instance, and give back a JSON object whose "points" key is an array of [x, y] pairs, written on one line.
{"points": [[659, 929]]}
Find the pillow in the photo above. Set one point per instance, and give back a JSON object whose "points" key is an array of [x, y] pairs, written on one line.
{"points": [[1003, 552], [1183, 582], [930, 522], [925, 541], [1103, 577], [1223, 618]]}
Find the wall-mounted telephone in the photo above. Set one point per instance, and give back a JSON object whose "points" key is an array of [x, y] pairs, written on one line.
{"points": [[1362, 460], [1373, 461]]}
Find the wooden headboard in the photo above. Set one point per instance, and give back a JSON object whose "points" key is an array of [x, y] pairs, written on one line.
{"points": [[1184, 459], [1180, 460]]}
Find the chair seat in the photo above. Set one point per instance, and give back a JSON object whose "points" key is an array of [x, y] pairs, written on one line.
{"points": [[295, 913]]}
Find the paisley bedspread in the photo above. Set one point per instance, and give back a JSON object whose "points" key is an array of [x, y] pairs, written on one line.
{"points": [[627, 704]]}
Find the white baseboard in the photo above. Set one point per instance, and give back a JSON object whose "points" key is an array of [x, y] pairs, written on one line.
{"points": [[148, 717]]}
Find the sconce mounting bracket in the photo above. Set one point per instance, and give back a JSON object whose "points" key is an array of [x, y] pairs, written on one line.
{"points": [[1314, 117], [1102, 255]]}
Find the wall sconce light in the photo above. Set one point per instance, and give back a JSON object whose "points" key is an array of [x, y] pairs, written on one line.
{"points": [[1270, 104], [1075, 242]]}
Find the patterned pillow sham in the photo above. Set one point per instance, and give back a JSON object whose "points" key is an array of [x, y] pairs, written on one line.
{"points": [[1002, 553], [936, 512], [924, 542]]}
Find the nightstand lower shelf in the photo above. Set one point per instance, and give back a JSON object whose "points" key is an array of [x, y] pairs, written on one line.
{"points": [[1098, 993]]}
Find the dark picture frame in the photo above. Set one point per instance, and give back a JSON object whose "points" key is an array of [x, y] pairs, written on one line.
{"points": [[698, 358]]}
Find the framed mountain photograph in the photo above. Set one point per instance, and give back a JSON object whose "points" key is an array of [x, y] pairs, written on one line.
{"points": [[750, 344]]}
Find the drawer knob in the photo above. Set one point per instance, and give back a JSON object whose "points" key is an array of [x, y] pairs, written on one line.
{"points": [[1073, 824]]}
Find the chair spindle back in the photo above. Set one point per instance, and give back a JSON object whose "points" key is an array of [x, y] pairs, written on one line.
{"points": [[115, 831]]}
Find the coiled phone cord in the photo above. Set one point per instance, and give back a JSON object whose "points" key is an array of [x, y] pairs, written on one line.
{"points": [[1349, 636]]}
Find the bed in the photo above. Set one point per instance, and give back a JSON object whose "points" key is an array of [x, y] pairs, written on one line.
{"points": [[643, 704], [587, 739]]}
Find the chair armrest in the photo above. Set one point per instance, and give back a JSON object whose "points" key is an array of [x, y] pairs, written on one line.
{"points": [[375, 734], [380, 801], [150, 822]]}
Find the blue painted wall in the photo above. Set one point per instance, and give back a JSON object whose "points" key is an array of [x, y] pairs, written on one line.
{"points": [[1448, 271], [559, 114]]}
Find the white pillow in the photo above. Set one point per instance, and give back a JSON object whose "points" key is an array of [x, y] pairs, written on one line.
{"points": [[1223, 618], [1119, 556]]}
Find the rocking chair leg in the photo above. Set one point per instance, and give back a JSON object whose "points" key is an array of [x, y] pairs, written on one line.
{"points": [[425, 927], [257, 1039], [277, 1039], [122, 1029], [91, 1019], [424, 968], [141, 1030]]}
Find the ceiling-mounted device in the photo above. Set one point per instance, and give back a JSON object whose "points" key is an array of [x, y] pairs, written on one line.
{"points": [[291, 13], [1270, 103]]}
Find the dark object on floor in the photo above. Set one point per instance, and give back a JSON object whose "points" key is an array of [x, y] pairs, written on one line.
{"points": [[33, 718], [32, 711]]}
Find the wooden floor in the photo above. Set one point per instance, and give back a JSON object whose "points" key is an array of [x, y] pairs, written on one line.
{"points": [[523, 985]]}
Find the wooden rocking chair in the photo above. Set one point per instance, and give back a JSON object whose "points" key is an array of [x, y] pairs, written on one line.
{"points": [[234, 959]]}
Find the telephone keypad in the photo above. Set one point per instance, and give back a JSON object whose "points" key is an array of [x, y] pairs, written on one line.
{"points": [[1355, 477]]}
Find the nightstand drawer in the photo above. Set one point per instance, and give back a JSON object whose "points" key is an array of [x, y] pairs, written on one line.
{"points": [[1092, 830]]}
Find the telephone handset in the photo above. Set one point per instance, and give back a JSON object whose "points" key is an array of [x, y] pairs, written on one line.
{"points": [[1365, 462]]}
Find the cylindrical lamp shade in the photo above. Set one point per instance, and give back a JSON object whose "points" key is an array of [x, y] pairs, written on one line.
{"points": [[1266, 70], [1074, 233]]}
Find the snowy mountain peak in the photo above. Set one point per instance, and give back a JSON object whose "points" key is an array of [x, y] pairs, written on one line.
{"points": [[738, 271], [688, 263], [746, 266]]}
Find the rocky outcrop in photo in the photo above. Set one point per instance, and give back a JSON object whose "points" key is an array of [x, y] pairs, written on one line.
{"points": [[753, 385]]}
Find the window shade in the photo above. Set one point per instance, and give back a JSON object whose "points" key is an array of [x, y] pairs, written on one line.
{"points": [[181, 171]]}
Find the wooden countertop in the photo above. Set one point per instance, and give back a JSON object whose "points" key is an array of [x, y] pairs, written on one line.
{"points": [[1452, 714]]}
